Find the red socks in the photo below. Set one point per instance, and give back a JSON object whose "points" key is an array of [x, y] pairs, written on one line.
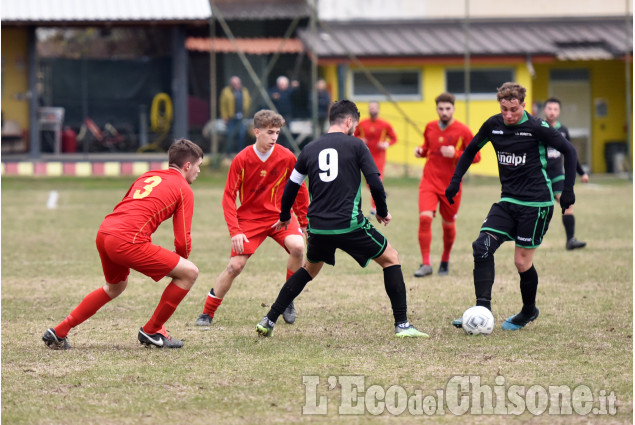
{"points": [[171, 298], [449, 234], [88, 307], [425, 237], [212, 302]]}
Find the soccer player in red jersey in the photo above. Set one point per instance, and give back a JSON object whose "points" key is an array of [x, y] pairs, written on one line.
{"points": [[443, 143], [124, 242], [257, 176], [378, 136]]}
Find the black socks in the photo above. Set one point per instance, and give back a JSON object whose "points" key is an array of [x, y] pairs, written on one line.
{"points": [[291, 289], [483, 281], [568, 220], [396, 290], [528, 289]]}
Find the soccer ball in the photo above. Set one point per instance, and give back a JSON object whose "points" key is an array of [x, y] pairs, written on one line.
{"points": [[478, 320]]}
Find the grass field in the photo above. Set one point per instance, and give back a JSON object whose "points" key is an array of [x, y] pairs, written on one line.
{"points": [[344, 331]]}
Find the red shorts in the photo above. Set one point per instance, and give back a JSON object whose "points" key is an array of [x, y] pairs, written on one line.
{"points": [[118, 257], [429, 199], [257, 232]]}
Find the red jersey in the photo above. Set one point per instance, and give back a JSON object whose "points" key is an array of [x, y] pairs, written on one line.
{"points": [[153, 198], [374, 132], [259, 186], [438, 170]]}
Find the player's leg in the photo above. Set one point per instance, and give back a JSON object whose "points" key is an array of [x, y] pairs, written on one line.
{"points": [[320, 250], [221, 287], [396, 290], [530, 232], [568, 219], [294, 245], [114, 273], [255, 234], [183, 275], [428, 202], [448, 223], [289, 291], [497, 228]]}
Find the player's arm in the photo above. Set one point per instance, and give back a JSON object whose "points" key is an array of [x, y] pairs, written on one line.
{"points": [[466, 159], [232, 190], [288, 198], [422, 151], [371, 174], [182, 223], [554, 139], [378, 193], [390, 135], [467, 135], [301, 205]]}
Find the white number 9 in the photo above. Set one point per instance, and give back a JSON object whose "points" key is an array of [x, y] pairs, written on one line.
{"points": [[327, 161]]}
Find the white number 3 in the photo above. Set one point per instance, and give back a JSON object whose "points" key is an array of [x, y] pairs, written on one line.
{"points": [[327, 161]]}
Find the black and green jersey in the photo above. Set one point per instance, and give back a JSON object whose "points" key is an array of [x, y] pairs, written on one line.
{"points": [[334, 164], [555, 171], [521, 150]]}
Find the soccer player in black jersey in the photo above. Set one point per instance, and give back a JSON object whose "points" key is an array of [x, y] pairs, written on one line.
{"points": [[334, 163], [526, 205], [556, 173]]}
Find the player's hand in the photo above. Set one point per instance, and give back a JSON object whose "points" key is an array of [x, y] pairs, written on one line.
{"points": [[418, 152], [384, 220], [383, 145], [280, 224], [451, 191], [238, 243], [567, 198], [447, 151], [584, 178]]}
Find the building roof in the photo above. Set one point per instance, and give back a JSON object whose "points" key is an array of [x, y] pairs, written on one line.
{"points": [[70, 12], [567, 39], [262, 9], [87, 12], [253, 46]]}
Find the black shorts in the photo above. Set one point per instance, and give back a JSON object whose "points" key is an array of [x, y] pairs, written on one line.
{"points": [[520, 223], [363, 245]]}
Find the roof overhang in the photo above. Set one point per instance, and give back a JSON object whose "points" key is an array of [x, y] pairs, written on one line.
{"points": [[125, 12], [564, 39], [253, 46]]}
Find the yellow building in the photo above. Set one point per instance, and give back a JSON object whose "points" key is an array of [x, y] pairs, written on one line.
{"points": [[585, 62]]}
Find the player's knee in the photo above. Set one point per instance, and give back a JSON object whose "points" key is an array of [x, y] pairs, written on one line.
{"points": [[192, 273], [390, 257], [296, 251], [484, 246], [234, 268], [116, 289]]}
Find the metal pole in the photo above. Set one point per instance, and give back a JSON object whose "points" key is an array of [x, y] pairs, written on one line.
{"points": [[213, 95], [314, 70], [252, 73], [466, 63], [34, 126]]}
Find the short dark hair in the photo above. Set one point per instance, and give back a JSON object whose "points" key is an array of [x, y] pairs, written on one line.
{"points": [[266, 118], [343, 109], [182, 151], [510, 91], [445, 97], [553, 100]]}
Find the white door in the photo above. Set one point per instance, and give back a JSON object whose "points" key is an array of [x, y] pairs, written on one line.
{"points": [[575, 114]]}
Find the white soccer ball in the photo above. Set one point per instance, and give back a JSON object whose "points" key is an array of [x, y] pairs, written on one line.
{"points": [[478, 320]]}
